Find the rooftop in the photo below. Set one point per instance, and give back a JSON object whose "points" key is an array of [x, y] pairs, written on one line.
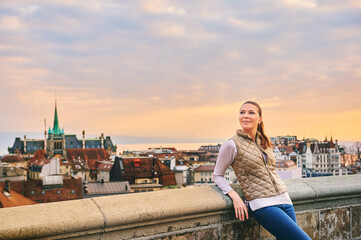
{"points": [[13, 199], [205, 168]]}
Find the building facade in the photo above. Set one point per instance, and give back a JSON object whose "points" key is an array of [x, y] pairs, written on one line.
{"points": [[203, 174], [56, 142], [321, 158]]}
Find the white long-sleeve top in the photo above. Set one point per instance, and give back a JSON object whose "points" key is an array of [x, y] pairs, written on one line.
{"points": [[227, 153]]}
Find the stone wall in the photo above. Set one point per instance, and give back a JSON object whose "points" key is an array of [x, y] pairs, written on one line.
{"points": [[327, 208]]}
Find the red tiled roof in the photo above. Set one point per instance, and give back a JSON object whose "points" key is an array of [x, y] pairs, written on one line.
{"points": [[70, 190], [285, 164], [91, 155], [39, 158], [15, 199], [205, 168], [287, 149], [78, 165], [12, 159], [17, 186], [145, 170], [105, 166], [98, 154]]}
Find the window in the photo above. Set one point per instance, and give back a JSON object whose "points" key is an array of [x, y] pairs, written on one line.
{"points": [[210, 179], [43, 192], [58, 192], [136, 190], [201, 173], [72, 191]]}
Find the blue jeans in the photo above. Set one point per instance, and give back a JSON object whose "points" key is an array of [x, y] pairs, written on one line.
{"points": [[280, 221]]}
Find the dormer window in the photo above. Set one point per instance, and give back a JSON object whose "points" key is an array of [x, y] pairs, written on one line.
{"points": [[136, 162]]}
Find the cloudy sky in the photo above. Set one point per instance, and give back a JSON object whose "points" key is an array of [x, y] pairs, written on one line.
{"points": [[181, 68]]}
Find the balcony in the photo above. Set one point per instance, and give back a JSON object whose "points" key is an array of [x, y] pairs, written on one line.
{"points": [[327, 208]]}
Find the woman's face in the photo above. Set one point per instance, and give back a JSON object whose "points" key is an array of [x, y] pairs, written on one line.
{"points": [[249, 117]]}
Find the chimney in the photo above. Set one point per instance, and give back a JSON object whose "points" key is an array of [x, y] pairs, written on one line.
{"points": [[7, 186], [102, 140], [83, 139], [24, 143]]}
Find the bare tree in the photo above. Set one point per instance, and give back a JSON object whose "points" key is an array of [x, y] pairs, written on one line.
{"points": [[358, 146], [350, 149]]}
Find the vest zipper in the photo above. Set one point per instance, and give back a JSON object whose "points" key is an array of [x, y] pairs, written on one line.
{"points": [[268, 171]]}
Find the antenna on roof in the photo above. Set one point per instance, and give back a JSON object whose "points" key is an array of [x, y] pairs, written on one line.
{"points": [[45, 124]]}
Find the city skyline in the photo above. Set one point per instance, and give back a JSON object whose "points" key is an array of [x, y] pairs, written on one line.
{"points": [[181, 69]]}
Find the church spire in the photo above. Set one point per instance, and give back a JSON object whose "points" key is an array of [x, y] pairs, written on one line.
{"points": [[56, 129]]}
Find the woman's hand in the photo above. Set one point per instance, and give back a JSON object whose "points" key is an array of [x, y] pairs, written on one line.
{"points": [[240, 208]]}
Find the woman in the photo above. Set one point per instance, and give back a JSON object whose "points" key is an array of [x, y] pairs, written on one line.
{"points": [[250, 154]]}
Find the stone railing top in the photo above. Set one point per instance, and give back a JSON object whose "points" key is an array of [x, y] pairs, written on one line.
{"points": [[94, 215]]}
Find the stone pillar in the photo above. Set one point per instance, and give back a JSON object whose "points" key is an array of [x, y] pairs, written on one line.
{"points": [[24, 143], [64, 146], [83, 139], [51, 146], [45, 140]]}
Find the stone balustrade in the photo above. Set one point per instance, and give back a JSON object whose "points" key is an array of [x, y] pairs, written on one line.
{"points": [[326, 207]]}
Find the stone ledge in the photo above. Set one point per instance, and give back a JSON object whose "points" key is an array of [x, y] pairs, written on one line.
{"points": [[49, 219], [142, 215], [322, 192], [325, 192]]}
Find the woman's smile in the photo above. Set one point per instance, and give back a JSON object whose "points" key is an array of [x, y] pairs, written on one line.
{"points": [[249, 118]]}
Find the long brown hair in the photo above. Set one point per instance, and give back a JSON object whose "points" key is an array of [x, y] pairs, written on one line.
{"points": [[265, 141]]}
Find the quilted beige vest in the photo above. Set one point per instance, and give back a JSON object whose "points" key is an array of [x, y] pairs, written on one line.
{"points": [[256, 178]]}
